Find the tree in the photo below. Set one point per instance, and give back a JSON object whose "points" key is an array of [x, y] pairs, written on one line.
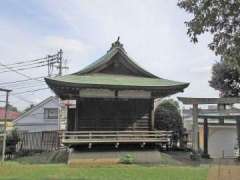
{"points": [[168, 117], [11, 108], [28, 108], [226, 79], [221, 18]]}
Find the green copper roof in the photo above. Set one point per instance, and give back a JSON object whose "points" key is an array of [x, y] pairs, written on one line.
{"points": [[130, 76], [117, 47], [100, 79]]}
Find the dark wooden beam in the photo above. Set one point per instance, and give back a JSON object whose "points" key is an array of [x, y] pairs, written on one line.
{"points": [[205, 139], [189, 100]]}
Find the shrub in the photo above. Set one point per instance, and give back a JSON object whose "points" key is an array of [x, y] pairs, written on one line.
{"points": [[127, 159]]}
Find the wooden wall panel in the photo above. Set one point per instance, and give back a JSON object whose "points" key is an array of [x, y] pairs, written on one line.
{"points": [[71, 119], [112, 114]]}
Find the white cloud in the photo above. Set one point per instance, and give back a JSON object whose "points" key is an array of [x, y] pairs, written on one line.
{"points": [[202, 69], [70, 45], [153, 33]]}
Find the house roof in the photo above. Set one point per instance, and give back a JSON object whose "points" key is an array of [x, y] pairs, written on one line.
{"points": [[11, 115], [45, 101], [93, 75]]}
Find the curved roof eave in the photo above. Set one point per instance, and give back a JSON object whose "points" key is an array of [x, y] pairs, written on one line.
{"points": [[52, 82], [108, 56]]}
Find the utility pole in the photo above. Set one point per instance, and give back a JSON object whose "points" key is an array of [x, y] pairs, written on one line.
{"points": [[60, 66], [5, 122], [60, 53]]}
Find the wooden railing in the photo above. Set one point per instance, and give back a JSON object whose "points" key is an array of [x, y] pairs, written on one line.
{"points": [[86, 137]]}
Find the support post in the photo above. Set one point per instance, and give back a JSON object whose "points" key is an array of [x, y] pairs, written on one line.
{"points": [[76, 115], [143, 144], [195, 146], [116, 145], [238, 135], [5, 114], [5, 123], [60, 62], [205, 145], [4, 147], [152, 115]]}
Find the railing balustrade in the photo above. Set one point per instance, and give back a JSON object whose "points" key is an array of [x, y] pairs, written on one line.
{"points": [[81, 137]]}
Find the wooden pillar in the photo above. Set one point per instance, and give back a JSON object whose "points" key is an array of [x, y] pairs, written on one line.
{"points": [[76, 115], [238, 133], [221, 107], [205, 145], [67, 120], [152, 115], [195, 141]]}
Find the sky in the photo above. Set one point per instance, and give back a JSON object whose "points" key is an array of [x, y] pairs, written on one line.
{"points": [[152, 31]]}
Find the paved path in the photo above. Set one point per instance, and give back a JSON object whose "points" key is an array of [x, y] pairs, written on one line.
{"points": [[227, 170]]}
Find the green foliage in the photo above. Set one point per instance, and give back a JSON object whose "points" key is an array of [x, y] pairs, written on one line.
{"points": [[168, 117], [12, 137], [127, 159], [225, 79], [12, 108], [221, 19], [28, 108]]}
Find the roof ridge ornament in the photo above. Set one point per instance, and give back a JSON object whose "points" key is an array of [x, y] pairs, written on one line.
{"points": [[117, 44]]}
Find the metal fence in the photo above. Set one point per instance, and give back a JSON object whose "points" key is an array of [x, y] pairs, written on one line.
{"points": [[38, 141]]}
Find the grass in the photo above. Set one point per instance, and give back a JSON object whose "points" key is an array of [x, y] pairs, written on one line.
{"points": [[14, 170], [43, 158], [168, 160]]}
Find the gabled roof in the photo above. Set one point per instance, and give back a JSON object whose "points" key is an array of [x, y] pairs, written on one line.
{"points": [[45, 101], [116, 48], [115, 70]]}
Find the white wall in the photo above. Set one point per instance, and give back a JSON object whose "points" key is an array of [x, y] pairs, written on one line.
{"points": [[34, 121], [222, 139]]}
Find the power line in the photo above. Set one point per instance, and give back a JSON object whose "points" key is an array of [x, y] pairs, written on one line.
{"points": [[23, 99], [29, 82], [31, 64], [21, 69], [49, 61], [30, 91], [16, 71], [24, 84], [24, 87], [14, 82], [22, 62]]}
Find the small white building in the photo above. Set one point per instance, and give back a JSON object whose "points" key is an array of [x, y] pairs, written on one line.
{"points": [[42, 117]]}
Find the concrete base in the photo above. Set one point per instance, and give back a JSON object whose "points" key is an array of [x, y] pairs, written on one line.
{"points": [[114, 157], [195, 156], [206, 156]]}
